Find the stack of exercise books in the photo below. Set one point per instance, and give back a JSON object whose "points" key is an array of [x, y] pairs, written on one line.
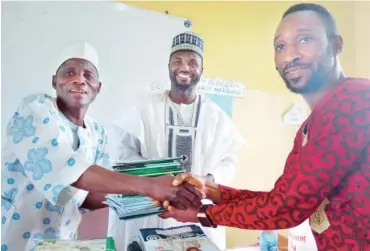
{"points": [[136, 206], [105, 244], [181, 238]]}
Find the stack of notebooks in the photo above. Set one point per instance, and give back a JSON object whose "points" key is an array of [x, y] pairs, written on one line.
{"points": [[135, 206], [182, 238], [106, 244]]}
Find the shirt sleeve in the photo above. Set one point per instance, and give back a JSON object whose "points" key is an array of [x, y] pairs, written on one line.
{"points": [[228, 194], [36, 137], [338, 134], [223, 155], [125, 146], [102, 159], [224, 172]]}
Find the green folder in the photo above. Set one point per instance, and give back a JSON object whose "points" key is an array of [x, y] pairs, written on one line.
{"points": [[142, 163], [136, 206]]}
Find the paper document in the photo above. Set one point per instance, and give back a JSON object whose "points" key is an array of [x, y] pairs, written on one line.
{"points": [[296, 115]]}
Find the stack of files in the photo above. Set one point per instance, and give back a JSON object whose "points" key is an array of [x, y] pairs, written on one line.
{"points": [[181, 238], [132, 207], [106, 244], [136, 206]]}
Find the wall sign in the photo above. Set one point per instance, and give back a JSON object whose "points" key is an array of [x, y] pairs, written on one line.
{"points": [[220, 86], [296, 115]]}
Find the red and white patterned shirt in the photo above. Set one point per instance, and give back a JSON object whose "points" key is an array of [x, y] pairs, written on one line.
{"points": [[333, 164]]}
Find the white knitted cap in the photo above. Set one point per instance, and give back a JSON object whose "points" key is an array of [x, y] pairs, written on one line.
{"points": [[82, 50]]}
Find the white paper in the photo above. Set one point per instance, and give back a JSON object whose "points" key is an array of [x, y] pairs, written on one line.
{"points": [[296, 115], [220, 86]]}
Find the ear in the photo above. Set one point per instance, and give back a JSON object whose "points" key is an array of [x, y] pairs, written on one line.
{"points": [[337, 44], [201, 71], [99, 87], [54, 82]]}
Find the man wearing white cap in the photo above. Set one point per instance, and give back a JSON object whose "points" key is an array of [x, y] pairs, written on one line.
{"points": [[54, 156], [181, 122]]}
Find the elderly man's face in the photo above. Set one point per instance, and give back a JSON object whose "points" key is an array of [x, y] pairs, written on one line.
{"points": [[185, 69], [77, 82]]}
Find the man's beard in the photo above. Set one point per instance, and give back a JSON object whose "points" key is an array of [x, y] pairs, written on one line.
{"points": [[316, 80], [313, 84], [184, 87]]}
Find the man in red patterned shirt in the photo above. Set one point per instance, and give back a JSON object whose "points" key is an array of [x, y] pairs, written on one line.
{"points": [[327, 174]]}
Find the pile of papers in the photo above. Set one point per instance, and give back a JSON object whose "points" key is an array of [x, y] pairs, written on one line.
{"points": [[67, 245], [182, 238], [135, 206]]}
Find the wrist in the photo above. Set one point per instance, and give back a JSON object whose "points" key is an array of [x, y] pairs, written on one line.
{"points": [[209, 177], [203, 217], [212, 191], [143, 186]]}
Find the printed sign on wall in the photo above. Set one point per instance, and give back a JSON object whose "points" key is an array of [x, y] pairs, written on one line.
{"points": [[220, 86], [296, 115]]}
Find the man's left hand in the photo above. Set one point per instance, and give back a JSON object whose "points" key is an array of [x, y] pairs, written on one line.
{"points": [[188, 215]]}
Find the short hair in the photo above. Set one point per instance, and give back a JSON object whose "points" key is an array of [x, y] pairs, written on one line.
{"points": [[321, 11]]}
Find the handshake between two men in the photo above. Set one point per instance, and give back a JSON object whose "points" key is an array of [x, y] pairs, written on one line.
{"points": [[184, 201]]}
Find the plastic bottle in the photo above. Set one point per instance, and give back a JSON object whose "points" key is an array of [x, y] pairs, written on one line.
{"points": [[269, 240]]}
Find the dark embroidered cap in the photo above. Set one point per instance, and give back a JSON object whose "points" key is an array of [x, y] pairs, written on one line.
{"points": [[188, 41]]}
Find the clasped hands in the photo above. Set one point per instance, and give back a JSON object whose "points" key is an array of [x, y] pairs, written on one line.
{"points": [[184, 196]]}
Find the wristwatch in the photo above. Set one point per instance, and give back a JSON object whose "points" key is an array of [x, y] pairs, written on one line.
{"points": [[204, 220]]}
